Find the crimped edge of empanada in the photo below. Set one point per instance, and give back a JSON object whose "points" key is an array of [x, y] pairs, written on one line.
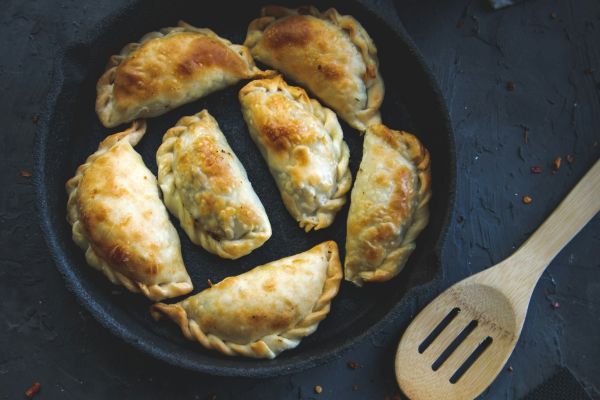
{"points": [[268, 346], [358, 36], [154, 292], [105, 85], [411, 148], [231, 249], [324, 215]]}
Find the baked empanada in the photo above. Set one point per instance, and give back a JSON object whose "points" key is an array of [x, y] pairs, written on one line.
{"points": [[388, 206], [264, 311], [304, 147], [330, 54], [206, 187], [167, 69], [120, 222]]}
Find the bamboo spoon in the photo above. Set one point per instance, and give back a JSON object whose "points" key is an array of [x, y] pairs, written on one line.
{"points": [[458, 344]]}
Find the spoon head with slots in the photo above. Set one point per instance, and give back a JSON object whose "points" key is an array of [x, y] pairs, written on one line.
{"points": [[458, 344]]}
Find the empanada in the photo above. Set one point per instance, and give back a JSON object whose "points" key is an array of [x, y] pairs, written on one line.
{"points": [[167, 69], [388, 206], [330, 54], [120, 222], [304, 147], [206, 187], [264, 311]]}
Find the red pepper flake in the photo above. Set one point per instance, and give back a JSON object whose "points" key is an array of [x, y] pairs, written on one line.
{"points": [[35, 119], [25, 174], [354, 388], [210, 284], [536, 169], [510, 86], [553, 15], [33, 390], [352, 365], [510, 368], [527, 199], [589, 71], [318, 389], [570, 158], [555, 305], [556, 164]]}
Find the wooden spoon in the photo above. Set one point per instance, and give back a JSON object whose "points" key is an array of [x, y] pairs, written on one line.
{"points": [[458, 344]]}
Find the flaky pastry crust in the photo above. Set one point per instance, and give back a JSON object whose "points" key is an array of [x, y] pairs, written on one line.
{"points": [[303, 144], [330, 54], [388, 206], [118, 219], [169, 68], [206, 187], [264, 311]]}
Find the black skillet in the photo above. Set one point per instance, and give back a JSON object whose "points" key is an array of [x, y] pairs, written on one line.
{"points": [[70, 131]]}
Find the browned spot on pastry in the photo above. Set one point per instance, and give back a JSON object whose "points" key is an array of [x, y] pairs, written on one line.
{"points": [[257, 317], [381, 180], [152, 269], [205, 52], [117, 255], [205, 155], [371, 253], [225, 283], [129, 83], [208, 322], [383, 233], [279, 322], [330, 71], [291, 31], [147, 214], [151, 68], [354, 229], [281, 137], [246, 215], [269, 285], [370, 73], [289, 304], [98, 215], [400, 201], [210, 158], [136, 236], [302, 156], [389, 136]]}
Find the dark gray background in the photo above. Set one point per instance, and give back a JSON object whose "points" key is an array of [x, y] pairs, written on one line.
{"points": [[550, 49]]}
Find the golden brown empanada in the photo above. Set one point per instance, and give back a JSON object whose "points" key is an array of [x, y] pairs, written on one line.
{"points": [[264, 311], [206, 187], [388, 206], [120, 222], [304, 147], [328, 53], [167, 69]]}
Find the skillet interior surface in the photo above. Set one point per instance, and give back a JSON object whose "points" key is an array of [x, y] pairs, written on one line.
{"points": [[70, 131]]}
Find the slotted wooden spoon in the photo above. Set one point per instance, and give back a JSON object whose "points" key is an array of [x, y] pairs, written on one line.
{"points": [[457, 345]]}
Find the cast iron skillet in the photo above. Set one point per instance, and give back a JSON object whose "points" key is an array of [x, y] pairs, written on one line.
{"points": [[70, 131]]}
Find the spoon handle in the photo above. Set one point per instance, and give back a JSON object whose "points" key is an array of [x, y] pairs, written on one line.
{"points": [[573, 213]]}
